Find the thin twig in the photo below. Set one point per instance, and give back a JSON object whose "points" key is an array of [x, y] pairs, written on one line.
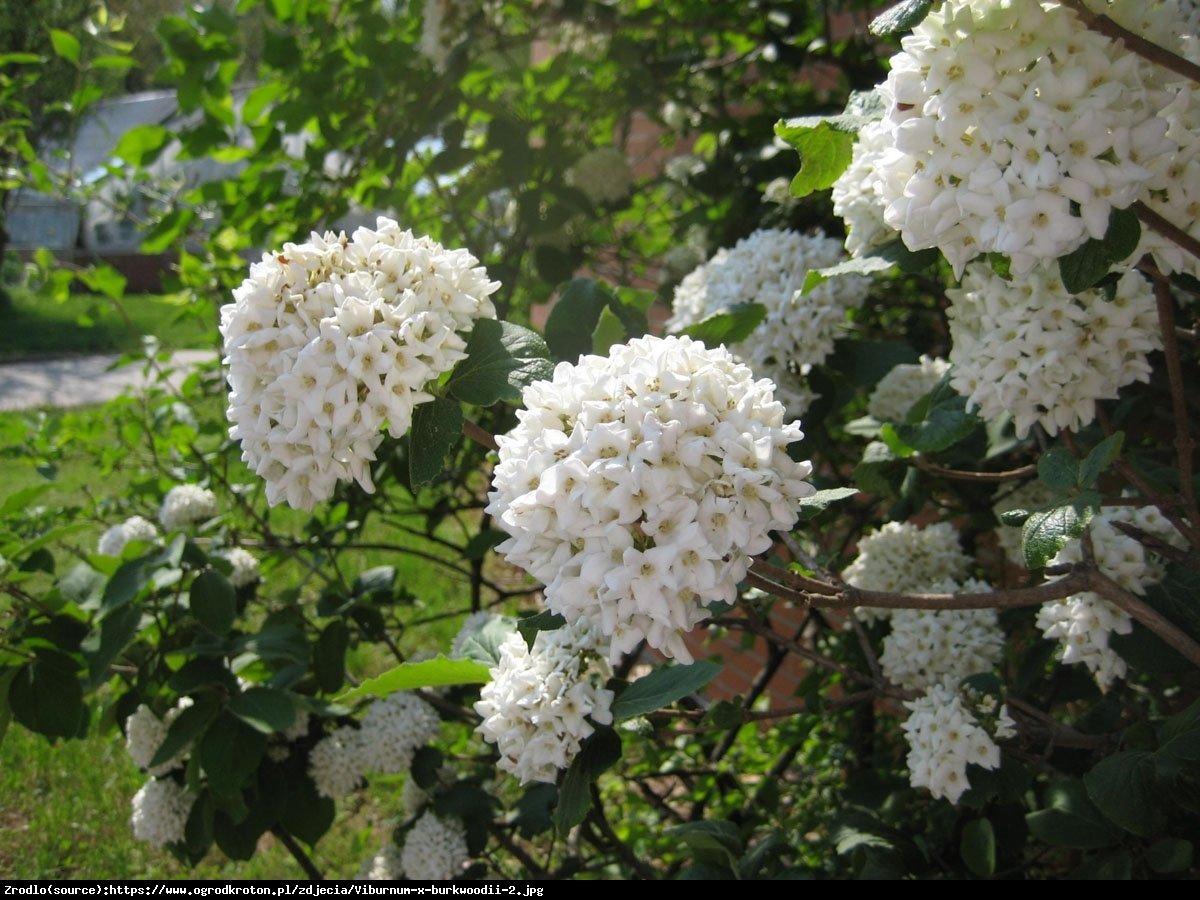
{"points": [[313, 873], [1133, 42], [1166, 228], [477, 434], [1147, 615], [965, 475]]}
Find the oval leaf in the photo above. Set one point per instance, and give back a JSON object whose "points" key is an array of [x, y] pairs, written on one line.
{"points": [[663, 687]]}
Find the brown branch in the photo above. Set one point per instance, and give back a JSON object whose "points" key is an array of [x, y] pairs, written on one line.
{"points": [[1166, 228], [1158, 545], [964, 475], [1151, 618], [479, 435], [1134, 42]]}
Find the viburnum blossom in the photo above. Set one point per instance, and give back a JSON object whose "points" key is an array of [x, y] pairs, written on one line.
{"points": [[949, 728], [1084, 623], [386, 865], [769, 268], [602, 174], [330, 341], [244, 565], [145, 732], [858, 193], [160, 811], [541, 702], [393, 729], [435, 849], [1016, 130], [135, 528], [902, 556], [1029, 349], [903, 386], [186, 504], [926, 646], [637, 486]]}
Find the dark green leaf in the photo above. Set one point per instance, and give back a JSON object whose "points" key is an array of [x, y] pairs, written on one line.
{"points": [[264, 709], [125, 584], [213, 601], [427, 673], [1100, 458], [534, 810], [710, 837], [435, 429], [106, 644], [1058, 469], [573, 319], [938, 421], [1122, 787], [306, 814], [329, 659], [229, 752], [1014, 517], [1083, 267], [868, 361], [529, 626], [901, 17], [978, 847], [1114, 866], [426, 764], [197, 674], [1062, 829], [881, 259], [728, 326], [1123, 235], [502, 359], [47, 698], [183, 731], [1170, 855], [598, 754], [820, 501], [1048, 531], [663, 687]]}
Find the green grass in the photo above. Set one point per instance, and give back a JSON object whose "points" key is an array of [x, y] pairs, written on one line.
{"points": [[36, 328]]}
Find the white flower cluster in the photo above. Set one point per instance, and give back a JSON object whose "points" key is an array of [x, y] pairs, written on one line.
{"points": [[902, 556], [602, 174], [385, 865], [1031, 496], [858, 193], [1083, 623], [330, 340], [903, 386], [160, 811], [393, 730], [135, 528], [950, 728], [245, 565], [1014, 129], [635, 487], [186, 504], [769, 267], [1029, 349], [536, 708], [435, 849], [145, 732], [926, 646]]}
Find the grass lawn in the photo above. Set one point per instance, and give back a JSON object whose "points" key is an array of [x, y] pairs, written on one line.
{"points": [[38, 328]]}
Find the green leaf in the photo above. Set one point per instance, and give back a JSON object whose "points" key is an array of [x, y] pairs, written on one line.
{"points": [[20, 500], [183, 731], [1058, 469], [125, 584], [882, 259], [1100, 458], [529, 626], [901, 17], [47, 698], [435, 429], [728, 326], [105, 644], [264, 709], [598, 754], [1114, 866], [502, 360], [817, 503], [142, 144], [375, 585], [1015, 517], [1047, 531], [483, 644], [104, 279], [168, 230], [229, 752], [938, 421], [1123, 235], [1170, 855], [609, 332], [20, 59], [426, 765], [535, 809], [306, 814], [825, 145], [1085, 266], [213, 601], [329, 659], [978, 847], [710, 837], [1122, 787], [574, 317], [662, 687], [427, 673], [65, 45]]}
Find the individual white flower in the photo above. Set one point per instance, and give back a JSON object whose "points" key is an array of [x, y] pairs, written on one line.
{"points": [[926, 646], [245, 565], [160, 811], [1012, 128], [637, 486], [903, 386], [1031, 496], [1029, 349], [330, 341], [145, 733], [798, 332], [541, 702], [186, 504], [435, 849], [386, 865], [602, 174], [1084, 623], [135, 528], [948, 730]]}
